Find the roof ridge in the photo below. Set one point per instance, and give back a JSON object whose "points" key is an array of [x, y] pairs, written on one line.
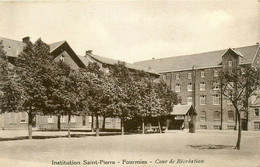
{"points": [[57, 42], [195, 53]]}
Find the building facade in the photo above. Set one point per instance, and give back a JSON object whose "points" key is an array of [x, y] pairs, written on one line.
{"points": [[195, 79]]}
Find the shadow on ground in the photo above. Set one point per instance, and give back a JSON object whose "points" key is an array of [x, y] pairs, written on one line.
{"points": [[66, 136], [212, 146]]}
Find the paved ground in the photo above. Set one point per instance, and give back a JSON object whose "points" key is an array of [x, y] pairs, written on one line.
{"points": [[213, 148]]}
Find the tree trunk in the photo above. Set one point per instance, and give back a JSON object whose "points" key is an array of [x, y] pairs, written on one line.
{"points": [[97, 126], [92, 123], [69, 126], [235, 122], [30, 123], [239, 132], [104, 124], [143, 125], [58, 124], [122, 126], [159, 124]]}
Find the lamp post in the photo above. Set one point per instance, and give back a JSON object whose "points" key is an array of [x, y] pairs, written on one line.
{"points": [[192, 123]]}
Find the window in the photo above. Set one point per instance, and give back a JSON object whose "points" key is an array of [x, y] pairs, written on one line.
{"points": [[231, 115], [257, 112], [73, 119], [230, 63], [189, 75], [108, 120], [215, 73], [229, 102], [50, 119], [164, 77], [230, 127], [216, 127], [216, 100], [106, 70], [118, 120], [62, 58], [177, 88], [202, 86], [203, 127], [202, 100], [189, 100], [216, 116], [256, 125], [12, 118], [202, 74], [177, 76], [189, 87], [23, 117], [253, 99], [202, 116], [89, 119], [215, 86], [62, 119]]}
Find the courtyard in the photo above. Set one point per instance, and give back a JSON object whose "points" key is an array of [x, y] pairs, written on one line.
{"points": [[203, 148]]}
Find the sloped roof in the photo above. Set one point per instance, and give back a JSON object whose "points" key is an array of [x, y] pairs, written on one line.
{"points": [[12, 47], [201, 60], [53, 46], [181, 109], [85, 60], [109, 61]]}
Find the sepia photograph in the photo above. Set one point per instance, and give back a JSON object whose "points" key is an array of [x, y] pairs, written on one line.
{"points": [[120, 83]]}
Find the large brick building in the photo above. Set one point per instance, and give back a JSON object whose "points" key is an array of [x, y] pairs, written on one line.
{"points": [[195, 78]]}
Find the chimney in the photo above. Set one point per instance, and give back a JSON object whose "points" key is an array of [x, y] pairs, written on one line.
{"points": [[88, 52], [26, 40]]}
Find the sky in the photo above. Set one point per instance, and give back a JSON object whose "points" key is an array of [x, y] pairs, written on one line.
{"points": [[135, 30]]}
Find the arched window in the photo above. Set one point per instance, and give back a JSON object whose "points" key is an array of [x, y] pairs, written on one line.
{"points": [[216, 116], [202, 116], [177, 88], [231, 115]]}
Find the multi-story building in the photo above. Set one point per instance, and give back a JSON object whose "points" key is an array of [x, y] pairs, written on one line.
{"points": [[195, 79]]}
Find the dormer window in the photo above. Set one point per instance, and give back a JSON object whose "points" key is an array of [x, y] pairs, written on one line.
{"points": [[62, 58], [189, 75], [202, 74], [230, 63]]}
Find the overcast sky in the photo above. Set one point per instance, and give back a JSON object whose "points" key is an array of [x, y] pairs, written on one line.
{"points": [[135, 31]]}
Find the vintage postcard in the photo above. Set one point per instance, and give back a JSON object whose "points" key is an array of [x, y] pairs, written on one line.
{"points": [[130, 83]]}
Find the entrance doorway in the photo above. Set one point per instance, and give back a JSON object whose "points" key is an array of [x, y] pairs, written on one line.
{"points": [[244, 124], [83, 120]]}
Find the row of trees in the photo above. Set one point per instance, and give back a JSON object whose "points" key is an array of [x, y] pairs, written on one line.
{"points": [[38, 85]]}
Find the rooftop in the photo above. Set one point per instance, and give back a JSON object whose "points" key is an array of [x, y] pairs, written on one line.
{"points": [[109, 61], [201, 60]]}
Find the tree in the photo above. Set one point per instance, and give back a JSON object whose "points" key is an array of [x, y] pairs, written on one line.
{"points": [[123, 84], [70, 96], [100, 93], [32, 68], [237, 86], [143, 97], [164, 101]]}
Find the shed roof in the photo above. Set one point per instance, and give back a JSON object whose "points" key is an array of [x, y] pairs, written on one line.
{"points": [[182, 109], [201, 60]]}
